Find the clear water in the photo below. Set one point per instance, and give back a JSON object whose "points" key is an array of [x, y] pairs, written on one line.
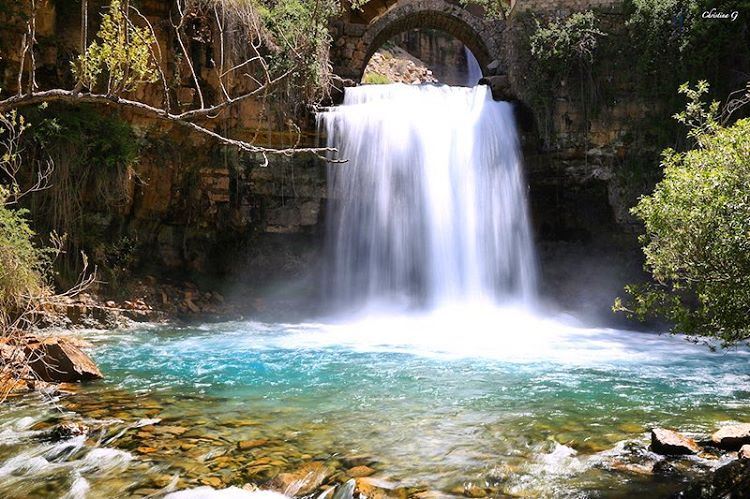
{"points": [[483, 396]]}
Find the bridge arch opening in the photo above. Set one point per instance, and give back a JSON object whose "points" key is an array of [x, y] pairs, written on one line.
{"points": [[360, 36], [423, 56]]}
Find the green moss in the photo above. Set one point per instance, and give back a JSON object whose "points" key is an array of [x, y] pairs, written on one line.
{"points": [[373, 78]]}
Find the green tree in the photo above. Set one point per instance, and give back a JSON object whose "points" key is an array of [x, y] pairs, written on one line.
{"points": [[122, 55], [697, 238]]}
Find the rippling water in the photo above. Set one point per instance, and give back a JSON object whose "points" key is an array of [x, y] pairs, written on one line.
{"points": [[526, 405]]}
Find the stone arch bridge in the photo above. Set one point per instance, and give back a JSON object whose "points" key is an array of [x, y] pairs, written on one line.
{"points": [[359, 33]]}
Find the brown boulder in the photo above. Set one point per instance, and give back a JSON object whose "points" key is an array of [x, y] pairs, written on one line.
{"points": [[669, 442], [732, 437], [59, 359]]}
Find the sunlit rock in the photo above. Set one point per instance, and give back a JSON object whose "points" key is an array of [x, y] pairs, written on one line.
{"points": [[59, 359], [732, 437], [670, 442]]}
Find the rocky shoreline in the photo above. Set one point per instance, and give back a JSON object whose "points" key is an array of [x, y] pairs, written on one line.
{"points": [[51, 356]]}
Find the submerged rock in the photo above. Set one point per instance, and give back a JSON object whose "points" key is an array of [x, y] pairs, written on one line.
{"points": [[251, 444], [732, 437], [360, 471], [67, 430], [670, 442], [375, 488]]}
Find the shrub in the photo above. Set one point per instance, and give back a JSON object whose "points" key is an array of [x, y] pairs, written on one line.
{"points": [[22, 264], [372, 78], [697, 240]]}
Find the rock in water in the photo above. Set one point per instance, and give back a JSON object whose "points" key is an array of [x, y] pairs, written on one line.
{"points": [[669, 442], [375, 488], [303, 481], [744, 452], [732, 437], [730, 481], [58, 359]]}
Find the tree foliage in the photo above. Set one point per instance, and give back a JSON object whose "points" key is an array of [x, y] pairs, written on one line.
{"points": [[121, 56], [22, 264], [697, 240], [568, 40]]}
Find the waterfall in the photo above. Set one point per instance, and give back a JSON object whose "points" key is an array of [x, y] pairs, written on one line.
{"points": [[473, 71], [430, 209]]}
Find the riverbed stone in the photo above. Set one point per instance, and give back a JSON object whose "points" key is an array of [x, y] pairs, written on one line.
{"points": [[252, 444], [375, 488], [304, 480], [670, 442], [211, 481], [744, 452], [732, 437], [360, 471], [68, 429]]}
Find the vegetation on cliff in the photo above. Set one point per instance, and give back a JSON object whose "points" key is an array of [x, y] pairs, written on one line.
{"points": [[697, 221]]}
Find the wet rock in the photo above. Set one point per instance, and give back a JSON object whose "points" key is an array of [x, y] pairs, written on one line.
{"points": [[375, 488], [730, 481], [67, 430], [669, 442], [172, 430], [58, 359], [360, 471], [211, 481], [744, 452], [303, 481], [732, 437], [345, 490], [473, 490], [354, 461], [251, 444], [432, 494]]}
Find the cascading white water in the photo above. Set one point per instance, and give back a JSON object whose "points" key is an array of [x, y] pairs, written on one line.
{"points": [[473, 70], [430, 209]]}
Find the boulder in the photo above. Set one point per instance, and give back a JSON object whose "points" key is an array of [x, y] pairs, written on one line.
{"points": [[732, 437], [60, 360], [669, 442], [744, 452]]}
